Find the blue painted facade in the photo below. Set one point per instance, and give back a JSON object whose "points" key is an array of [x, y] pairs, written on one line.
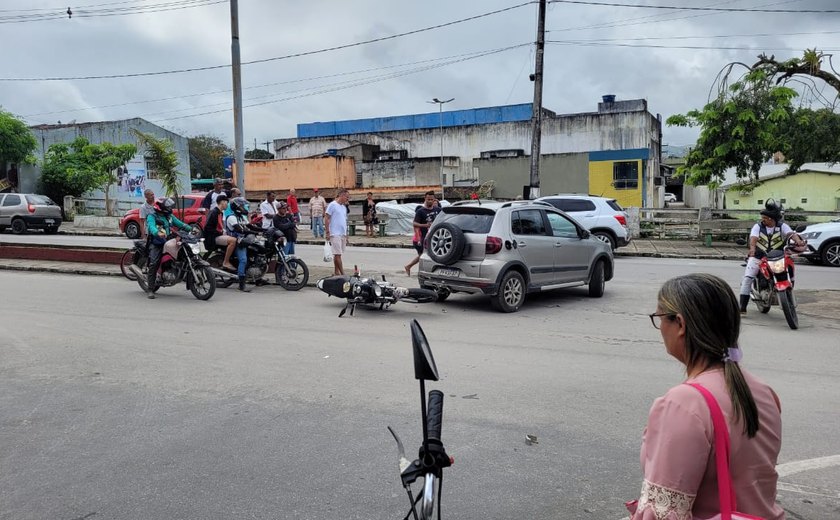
{"points": [[473, 116], [620, 155]]}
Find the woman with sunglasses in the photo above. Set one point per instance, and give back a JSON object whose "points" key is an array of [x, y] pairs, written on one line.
{"points": [[699, 319]]}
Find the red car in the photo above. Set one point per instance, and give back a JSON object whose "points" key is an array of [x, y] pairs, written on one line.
{"points": [[188, 210]]}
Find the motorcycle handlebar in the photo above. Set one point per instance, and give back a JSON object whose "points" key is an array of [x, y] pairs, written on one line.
{"points": [[435, 415]]}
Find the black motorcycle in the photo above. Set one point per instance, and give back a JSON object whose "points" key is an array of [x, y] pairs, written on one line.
{"points": [[262, 248], [357, 289], [184, 265], [432, 458]]}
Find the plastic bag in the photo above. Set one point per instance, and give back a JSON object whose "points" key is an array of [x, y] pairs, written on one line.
{"points": [[328, 256]]}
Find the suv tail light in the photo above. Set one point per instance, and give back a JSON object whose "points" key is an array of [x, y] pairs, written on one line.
{"points": [[31, 208], [492, 245], [621, 220]]}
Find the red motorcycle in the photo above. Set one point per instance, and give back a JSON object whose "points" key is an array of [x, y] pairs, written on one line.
{"points": [[774, 285]]}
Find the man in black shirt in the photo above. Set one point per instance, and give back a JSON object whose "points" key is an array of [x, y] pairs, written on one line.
{"points": [[424, 215]]}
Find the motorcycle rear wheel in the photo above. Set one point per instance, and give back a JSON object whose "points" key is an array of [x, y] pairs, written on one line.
{"points": [[786, 301], [295, 277], [203, 285], [420, 296]]}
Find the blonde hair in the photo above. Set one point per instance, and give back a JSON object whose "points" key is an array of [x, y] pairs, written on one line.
{"points": [[712, 319]]}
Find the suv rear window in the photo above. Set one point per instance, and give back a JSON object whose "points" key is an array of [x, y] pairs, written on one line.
{"points": [[572, 204], [468, 221], [614, 205], [40, 200]]}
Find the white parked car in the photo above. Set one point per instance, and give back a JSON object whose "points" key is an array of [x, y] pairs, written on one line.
{"points": [[670, 197], [823, 243], [602, 217]]}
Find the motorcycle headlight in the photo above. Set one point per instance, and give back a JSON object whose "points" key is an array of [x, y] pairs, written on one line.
{"points": [[195, 248], [777, 266], [377, 290]]}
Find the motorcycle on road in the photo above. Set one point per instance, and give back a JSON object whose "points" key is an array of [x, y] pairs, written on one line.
{"points": [[357, 289], [182, 264]]}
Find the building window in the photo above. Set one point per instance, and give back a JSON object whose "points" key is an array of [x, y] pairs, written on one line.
{"points": [[804, 201], [736, 202], [151, 172], [783, 201], [760, 202], [626, 175]]}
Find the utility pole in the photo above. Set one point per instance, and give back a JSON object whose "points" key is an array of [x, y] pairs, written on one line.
{"points": [[536, 114], [440, 122], [267, 144], [239, 139]]}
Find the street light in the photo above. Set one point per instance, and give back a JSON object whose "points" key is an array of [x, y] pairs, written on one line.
{"points": [[440, 118]]}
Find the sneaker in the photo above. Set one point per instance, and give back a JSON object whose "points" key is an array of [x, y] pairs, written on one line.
{"points": [[150, 295]]}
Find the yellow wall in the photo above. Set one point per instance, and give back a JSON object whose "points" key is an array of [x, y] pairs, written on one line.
{"points": [[601, 184], [822, 191], [284, 174]]}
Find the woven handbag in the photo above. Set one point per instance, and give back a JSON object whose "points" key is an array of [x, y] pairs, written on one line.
{"points": [[726, 493]]}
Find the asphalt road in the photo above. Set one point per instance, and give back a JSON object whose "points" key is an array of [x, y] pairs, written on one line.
{"points": [[266, 405]]}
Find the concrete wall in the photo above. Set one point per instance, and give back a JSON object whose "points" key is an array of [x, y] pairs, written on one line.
{"points": [[414, 172], [280, 175], [115, 132], [560, 134], [811, 191], [559, 173]]}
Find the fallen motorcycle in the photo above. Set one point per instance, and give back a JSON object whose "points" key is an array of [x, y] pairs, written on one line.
{"points": [[368, 291], [432, 458]]}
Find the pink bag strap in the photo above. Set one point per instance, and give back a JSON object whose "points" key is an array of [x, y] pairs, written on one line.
{"points": [[726, 493]]}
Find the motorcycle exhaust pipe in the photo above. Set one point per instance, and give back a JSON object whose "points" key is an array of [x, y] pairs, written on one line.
{"points": [[224, 274]]}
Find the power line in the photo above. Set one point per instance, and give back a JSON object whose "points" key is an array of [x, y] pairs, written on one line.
{"points": [[689, 47], [302, 80], [711, 36], [328, 89], [62, 7], [124, 11], [713, 9], [265, 60]]}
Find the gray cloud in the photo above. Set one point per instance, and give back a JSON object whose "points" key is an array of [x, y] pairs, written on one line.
{"points": [[673, 80]]}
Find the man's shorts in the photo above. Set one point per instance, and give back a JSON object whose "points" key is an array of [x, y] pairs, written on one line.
{"points": [[338, 243], [222, 240]]}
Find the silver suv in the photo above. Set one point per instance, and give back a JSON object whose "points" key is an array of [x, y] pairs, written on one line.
{"points": [[22, 211], [603, 217], [508, 249]]}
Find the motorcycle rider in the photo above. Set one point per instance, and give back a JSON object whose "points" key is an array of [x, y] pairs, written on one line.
{"points": [[285, 222], [214, 232], [159, 225], [237, 226], [770, 234]]}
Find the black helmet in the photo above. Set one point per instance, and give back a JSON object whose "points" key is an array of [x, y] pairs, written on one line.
{"points": [[772, 210], [240, 206], [165, 206]]}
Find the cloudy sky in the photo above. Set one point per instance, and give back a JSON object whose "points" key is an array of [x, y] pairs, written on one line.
{"points": [[669, 57]]}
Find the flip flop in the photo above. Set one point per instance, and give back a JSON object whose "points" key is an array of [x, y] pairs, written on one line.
{"points": [[229, 269]]}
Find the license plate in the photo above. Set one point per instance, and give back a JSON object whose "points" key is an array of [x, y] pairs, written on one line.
{"points": [[49, 221], [454, 273]]}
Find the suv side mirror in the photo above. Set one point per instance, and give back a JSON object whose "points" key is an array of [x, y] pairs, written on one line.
{"points": [[584, 234]]}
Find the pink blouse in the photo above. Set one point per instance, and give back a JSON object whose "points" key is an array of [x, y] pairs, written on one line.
{"points": [[678, 459]]}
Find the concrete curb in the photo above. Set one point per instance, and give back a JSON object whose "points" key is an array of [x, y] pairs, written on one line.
{"points": [[60, 269]]}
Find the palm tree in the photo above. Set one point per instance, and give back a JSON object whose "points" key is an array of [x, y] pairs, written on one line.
{"points": [[161, 155]]}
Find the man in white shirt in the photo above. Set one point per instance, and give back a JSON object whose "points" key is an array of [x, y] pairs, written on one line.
{"points": [[335, 222], [268, 209]]}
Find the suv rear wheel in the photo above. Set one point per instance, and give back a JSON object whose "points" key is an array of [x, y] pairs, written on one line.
{"points": [[446, 244], [511, 294], [605, 237]]}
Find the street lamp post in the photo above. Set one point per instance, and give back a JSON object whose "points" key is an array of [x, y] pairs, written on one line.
{"points": [[440, 119]]}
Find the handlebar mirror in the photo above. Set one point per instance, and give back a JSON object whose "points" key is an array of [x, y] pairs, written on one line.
{"points": [[800, 228], [424, 363]]}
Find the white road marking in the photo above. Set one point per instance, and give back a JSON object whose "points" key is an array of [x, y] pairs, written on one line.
{"points": [[791, 468]]}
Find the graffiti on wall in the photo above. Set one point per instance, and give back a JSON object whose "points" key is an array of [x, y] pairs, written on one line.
{"points": [[131, 177]]}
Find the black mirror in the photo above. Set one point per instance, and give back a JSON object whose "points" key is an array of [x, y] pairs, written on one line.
{"points": [[584, 234], [741, 241], [800, 228], [424, 362]]}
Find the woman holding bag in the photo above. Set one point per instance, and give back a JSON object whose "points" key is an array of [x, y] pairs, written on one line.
{"points": [[699, 319]]}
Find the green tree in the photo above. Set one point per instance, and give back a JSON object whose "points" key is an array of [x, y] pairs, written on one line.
{"points": [[66, 170], [259, 154], [754, 117], [104, 159], [161, 155], [206, 153], [16, 141]]}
